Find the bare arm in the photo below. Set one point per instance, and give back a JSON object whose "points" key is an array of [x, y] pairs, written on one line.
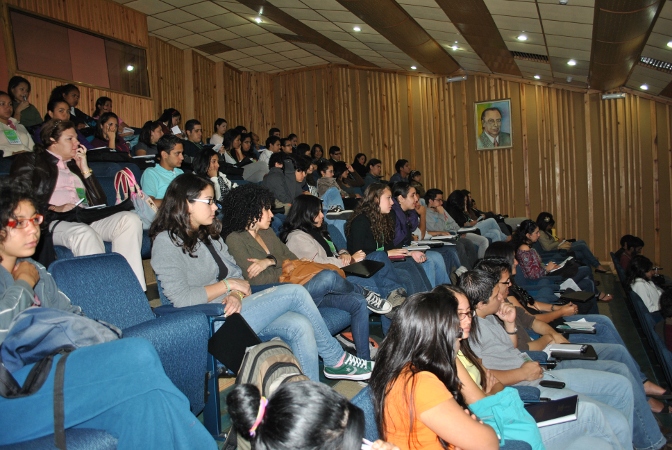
{"points": [[449, 421]]}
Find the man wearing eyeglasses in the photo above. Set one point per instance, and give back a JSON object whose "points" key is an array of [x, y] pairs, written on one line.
{"points": [[492, 135]]}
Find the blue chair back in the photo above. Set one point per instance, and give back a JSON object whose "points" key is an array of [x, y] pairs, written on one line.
{"points": [[619, 271], [125, 303]]}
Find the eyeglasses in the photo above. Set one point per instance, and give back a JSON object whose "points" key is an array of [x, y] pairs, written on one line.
{"points": [[507, 282], [207, 201], [464, 315], [23, 223]]}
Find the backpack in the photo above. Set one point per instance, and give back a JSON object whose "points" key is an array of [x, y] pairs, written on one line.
{"points": [[124, 182], [267, 366]]}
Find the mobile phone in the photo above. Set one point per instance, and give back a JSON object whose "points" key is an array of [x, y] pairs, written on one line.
{"points": [[549, 364], [552, 384]]}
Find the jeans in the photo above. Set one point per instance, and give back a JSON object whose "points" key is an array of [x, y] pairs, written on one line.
{"points": [[412, 276], [615, 359], [605, 408], [384, 281], [480, 241], [584, 279], [583, 254], [118, 387], [330, 198], [288, 312], [450, 258], [490, 229], [328, 288], [467, 253], [435, 269]]}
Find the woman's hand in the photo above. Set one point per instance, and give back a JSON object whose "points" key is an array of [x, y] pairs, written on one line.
{"points": [[111, 135], [81, 126], [418, 257], [569, 309], [27, 272], [397, 252], [550, 266], [350, 169], [80, 159], [21, 106], [236, 284], [62, 208], [382, 445], [258, 266], [232, 305], [359, 256], [345, 258], [490, 381]]}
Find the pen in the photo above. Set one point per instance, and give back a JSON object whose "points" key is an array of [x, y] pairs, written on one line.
{"points": [[80, 201]]}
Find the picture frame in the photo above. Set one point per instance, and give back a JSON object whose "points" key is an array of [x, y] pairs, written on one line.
{"points": [[492, 120]]}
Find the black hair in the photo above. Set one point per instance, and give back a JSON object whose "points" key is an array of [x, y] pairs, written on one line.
{"points": [[421, 339], [666, 303], [301, 415], [631, 241], [324, 166], [333, 149], [302, 148], [201, 162], [242, 129], [12, 192], [501, 250], [302, 215], [190, 124], [173, 214], [431, 194], [276, 158], [401, 188], [229, 137], [168, 114], [104, 117], [14, 82], [519, 236], [59, 92], [400, 164], [218, 122], [413, 174], [357, 156], [637, 268], [273, 130], [316, 147], [100, 102], [494, 266], [339, 168], [271, 140], [456, 200], [51, 105], [301, 164], [146, 132], [545, 220], [373, 162], [477, 286], [167, 143], [243, 206], [291, 136], [381, 224]]}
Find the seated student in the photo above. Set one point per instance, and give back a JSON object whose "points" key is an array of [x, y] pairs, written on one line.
{"points": [[533, 268], [415, 384], [307, 238], [606, 351], [272, 146], [193, 144], [403, 169], [348, 180], [406, 220], [24, 112], [104, 105], [548, 242], [327, 180], [106, 134], [14, 138], [155, 180], [274, 132], [70, 93], [371, 229], [194, 267], [495, 345], [170, 118], [220, 128], [640, 271], [282, 180], [150, 134], [233, 155], [335, 154], [298, 415], [475, 214], [440, 223], [477, 382], [317, 154], [631, 246], [115, 386], [375, 173], [206, 166], [457, 208], [286, 146], [359, 164], [262, 257], [415, 179], [59, 110], [59, 172]]}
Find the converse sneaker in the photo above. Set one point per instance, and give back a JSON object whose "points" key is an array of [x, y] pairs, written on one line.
{"points": [[376, 303], [352, 368], [396, 299], [336, 212], [346, 340]]}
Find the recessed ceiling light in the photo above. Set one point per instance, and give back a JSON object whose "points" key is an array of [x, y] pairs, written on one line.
{"points": [[669, 44], [357, 29], [455, 47], [258, 19], [644, 87], [522, 37], [130, 67], [571, 62], [537, 77], [413, 67]]}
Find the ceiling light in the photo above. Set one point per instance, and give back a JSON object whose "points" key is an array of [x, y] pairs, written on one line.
{"points": [[457, 78], [571, 62], [613, 96], [357, 29], [562, 2], [130, 68], [537, 77], [455, 47], [669, 44], [569, 79], [522, 37], [258, 19], [413, 67], [644, 87]]}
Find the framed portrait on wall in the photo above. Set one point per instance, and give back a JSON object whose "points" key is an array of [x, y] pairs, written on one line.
{"points": [[493, 124]]}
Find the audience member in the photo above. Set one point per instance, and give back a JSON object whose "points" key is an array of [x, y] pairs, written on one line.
{"points": [[403, 169], [294, 140], [206, 166], [104, 105], [274, 132], [272, 146], [106, 134], [348, 179], [302, 149], [14, 138], [59, 172], [639, 274], [359, 164], [70, 93], [374, 174], [335, 154], [150, 134], [317, 153], [457, 208], [232, 149], [194, 266], [24, 112], [193, 144], [475, 214], [286, 146], [414, 178], [59, 110], [155, 180], [631, 246], [220, 128], [281, 180], [169, 119]]}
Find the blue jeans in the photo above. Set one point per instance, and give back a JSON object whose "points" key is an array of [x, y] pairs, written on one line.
{"points": [[328, 288], [384, 281], [288, 312], [490, 229], [412, 276], [605, 408], [330, 198], [584, 279], [615, 359], [583, 254], [435, 269], [118, 387], [450, 257]]}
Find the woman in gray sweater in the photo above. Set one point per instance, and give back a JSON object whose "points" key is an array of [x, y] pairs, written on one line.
{"points": [[194, 266]]}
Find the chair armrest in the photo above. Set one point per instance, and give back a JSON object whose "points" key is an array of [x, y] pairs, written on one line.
{"points": [[528, 393], [209, 309], [538, 356]]}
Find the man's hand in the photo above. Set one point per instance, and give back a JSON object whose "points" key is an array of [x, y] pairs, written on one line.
{"points": [[507, 313], [418, 257], [532, 371]]}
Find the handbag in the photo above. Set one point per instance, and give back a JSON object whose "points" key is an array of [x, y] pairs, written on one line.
{"points": [[301, 271], [125, 183], [88, 215], [506, 414]]}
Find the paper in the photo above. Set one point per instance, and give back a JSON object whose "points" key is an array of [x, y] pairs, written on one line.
{"points": [[562, 264], [127, 130], [581, 325], [419, 248], [564, 348], [443, 238], [176, 130], [217, 147]]}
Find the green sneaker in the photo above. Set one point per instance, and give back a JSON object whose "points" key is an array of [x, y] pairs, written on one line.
{"points": [[353, 368]]}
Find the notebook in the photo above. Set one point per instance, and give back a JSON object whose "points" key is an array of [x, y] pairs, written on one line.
{"points": [[554, 411], [364, 268], [228, 344]]}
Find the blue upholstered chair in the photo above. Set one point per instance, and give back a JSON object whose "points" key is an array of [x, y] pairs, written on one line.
{"points": [[105, 287], [76, 439]]}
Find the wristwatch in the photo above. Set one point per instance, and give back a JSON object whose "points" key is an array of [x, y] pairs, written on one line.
{"points": [[515, 330], [272, 258]]}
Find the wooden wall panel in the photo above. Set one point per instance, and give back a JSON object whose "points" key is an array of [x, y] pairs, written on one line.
{"points": [[166, 77], [205, 94]]}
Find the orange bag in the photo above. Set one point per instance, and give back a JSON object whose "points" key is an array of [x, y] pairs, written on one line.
{"points": [[301, 271]]}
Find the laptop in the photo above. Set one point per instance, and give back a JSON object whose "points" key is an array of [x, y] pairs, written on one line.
{"points": [[364, 268]]}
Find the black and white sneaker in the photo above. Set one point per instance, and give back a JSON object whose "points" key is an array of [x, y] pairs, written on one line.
{"points": [[376, 303], [336, 212]]}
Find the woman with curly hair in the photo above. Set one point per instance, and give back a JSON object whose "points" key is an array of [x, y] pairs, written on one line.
{"points": [[261, 256], [194, 267]]}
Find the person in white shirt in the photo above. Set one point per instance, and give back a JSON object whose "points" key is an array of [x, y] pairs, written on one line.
{"points": [[272, 146], [640, 271], [220, 128]]}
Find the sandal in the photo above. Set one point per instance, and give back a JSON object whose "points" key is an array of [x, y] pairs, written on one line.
{"points": [[665, 410], [667, 395], [604, 297]]}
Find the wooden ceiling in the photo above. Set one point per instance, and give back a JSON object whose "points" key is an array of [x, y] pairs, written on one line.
{"points": [[605, 39]]}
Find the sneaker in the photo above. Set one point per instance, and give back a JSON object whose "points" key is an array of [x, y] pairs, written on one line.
{"points": [[353, 368], [336, 212], [460, 270], [376, 303], [396, 299], [345, 338]]}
